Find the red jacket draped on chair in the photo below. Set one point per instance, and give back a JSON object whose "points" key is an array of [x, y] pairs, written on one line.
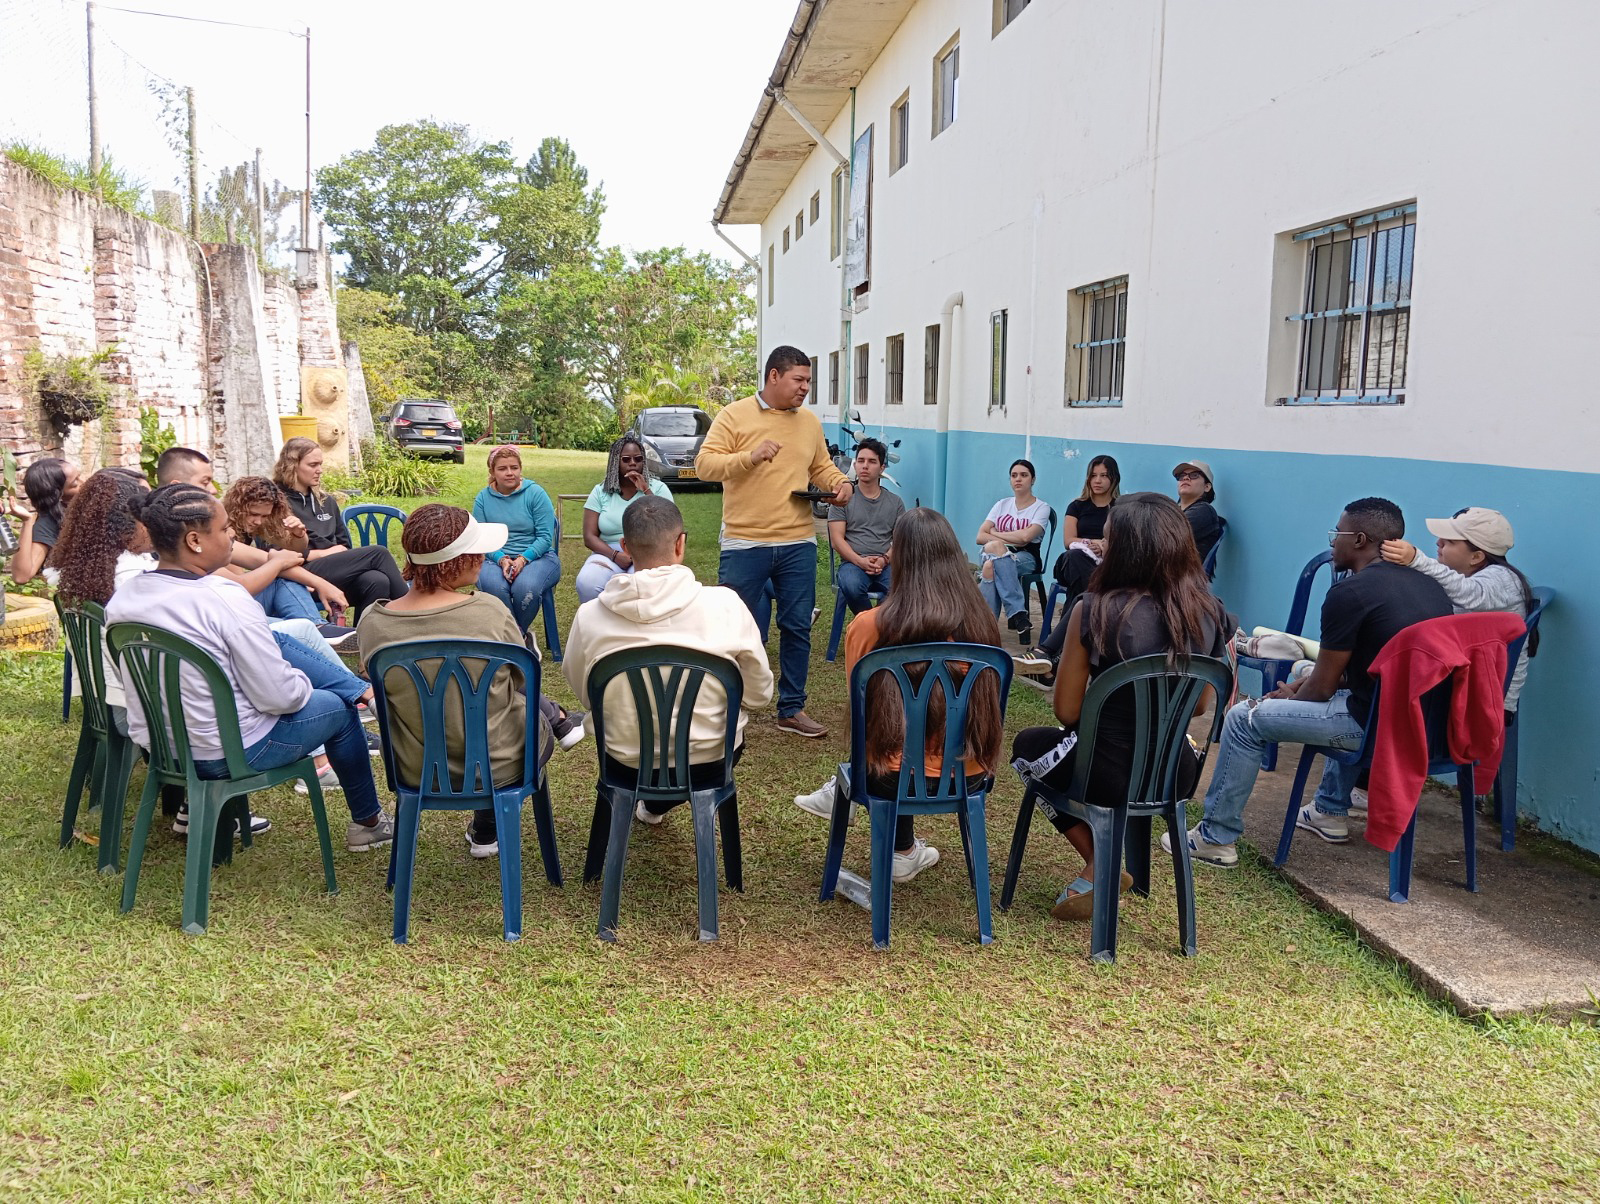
{"points": [[1470, 649]]}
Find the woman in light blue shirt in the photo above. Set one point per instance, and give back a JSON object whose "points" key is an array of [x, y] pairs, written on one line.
{"points": [[628, 475]]}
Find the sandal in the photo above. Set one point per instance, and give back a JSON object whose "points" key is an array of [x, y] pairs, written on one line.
{"points": [[1077, 901]]}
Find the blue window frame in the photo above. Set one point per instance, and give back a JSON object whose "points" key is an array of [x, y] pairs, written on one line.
{"points": [[1355, 334]]}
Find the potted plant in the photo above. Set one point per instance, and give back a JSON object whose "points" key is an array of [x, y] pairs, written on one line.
{"points": [[70, 389]]}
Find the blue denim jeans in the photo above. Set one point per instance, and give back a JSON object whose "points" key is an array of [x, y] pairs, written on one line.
{"points": [[792, 570], [522, 596], [1007, 585], [1246, 732], [288, 600], [855, 584]]}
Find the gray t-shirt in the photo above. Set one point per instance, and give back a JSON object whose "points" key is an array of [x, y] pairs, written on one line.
{"points": [[869, 522]]}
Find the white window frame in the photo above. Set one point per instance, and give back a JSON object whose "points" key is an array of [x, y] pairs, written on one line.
{"points": [[900, 132], [947, 85]]}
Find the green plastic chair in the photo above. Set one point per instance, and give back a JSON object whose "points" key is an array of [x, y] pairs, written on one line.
{"points": [[164, 668], [104, 759]]}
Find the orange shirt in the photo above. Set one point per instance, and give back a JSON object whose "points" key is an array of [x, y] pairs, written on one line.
{"points": [[860, 638]]}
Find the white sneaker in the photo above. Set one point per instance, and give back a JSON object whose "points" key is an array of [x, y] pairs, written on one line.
{"points": [[1331, 828], [818, 802], [489, 848], [908, 865], [1358, 801], [327, 779], [1224, 856], [646, 816]]}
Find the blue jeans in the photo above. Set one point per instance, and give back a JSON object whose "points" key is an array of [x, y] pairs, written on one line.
{"points": [[855, 584], [522, 596], [289, 600], [792, 570], [1246, 732], [1007, 584]]}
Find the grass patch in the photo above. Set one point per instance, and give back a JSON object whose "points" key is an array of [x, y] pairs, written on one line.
{"points": [[294, 1052]]}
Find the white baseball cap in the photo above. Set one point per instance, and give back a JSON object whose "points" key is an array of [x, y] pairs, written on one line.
{"points": [[1486, 530]]}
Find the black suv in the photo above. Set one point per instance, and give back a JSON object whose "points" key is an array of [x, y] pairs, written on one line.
{"points": [[426, 428]]}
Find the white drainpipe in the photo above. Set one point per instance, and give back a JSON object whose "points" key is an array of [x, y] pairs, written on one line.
{"points": [[947, 345]]}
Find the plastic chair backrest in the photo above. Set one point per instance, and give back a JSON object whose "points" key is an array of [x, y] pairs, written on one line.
{"points": [[1543, 595], [939, 659], [1049, 543], [1164, 703], [369, 524], [85, 626], [1302, 591], [665, 683], [154, 659], [451, 677], [1209, 564]]}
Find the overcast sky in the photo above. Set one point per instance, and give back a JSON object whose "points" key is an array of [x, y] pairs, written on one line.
{"points": [[654, 95]]}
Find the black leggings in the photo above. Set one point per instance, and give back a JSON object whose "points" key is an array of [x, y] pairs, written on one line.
{"points": [[701, 777], [365, 575], [1074, 567]]}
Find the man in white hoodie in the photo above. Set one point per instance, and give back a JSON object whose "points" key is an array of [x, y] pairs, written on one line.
{"points": [[661, 603]]}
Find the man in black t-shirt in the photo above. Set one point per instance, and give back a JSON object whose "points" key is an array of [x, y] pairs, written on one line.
{"points": [[1329, 706]]}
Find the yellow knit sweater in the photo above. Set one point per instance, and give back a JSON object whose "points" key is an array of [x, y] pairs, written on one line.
{"points": [[756, 498]]}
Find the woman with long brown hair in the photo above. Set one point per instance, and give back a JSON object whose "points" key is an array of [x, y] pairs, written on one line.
{"points": [[1149, 595], [932, 598]]}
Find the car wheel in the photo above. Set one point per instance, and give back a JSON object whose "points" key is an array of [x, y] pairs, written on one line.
{"points": [[460, 456]]}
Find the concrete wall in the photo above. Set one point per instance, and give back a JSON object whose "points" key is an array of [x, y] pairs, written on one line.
{"points": [[1182, 145]]}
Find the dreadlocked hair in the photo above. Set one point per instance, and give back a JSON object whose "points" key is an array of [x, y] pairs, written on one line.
{"points": [[257, 491], [432, 528], [167, 513], [613, 481], [100, 524]]}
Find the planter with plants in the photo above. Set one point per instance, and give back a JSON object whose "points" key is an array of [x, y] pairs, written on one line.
{"points": [[70, 389]]}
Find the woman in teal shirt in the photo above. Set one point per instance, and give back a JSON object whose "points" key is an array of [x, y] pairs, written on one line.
{"points": [[628, 476], [530, 562]]}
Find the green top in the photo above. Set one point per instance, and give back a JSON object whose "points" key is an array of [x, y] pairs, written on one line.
{"points": [[609, 506]]}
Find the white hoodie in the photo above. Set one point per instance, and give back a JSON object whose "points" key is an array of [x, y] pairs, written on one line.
{"points": [[654, 607]]}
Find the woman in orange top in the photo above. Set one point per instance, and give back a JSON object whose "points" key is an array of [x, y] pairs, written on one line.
{"points": [[932, 597]]}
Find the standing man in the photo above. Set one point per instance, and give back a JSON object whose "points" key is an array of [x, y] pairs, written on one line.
{"points": [[762, 449], [860, 531]]}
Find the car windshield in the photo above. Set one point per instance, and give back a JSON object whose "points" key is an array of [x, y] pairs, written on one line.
{"points": [[670, 425], [427, 413]]}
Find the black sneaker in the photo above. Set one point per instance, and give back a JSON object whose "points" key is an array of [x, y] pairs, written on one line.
{"points": [[374, 745], [568, 730], [340, 639], [180, 823], [1022, 624]]}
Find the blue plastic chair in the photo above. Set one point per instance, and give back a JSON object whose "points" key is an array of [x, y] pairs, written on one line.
{"points": [[1272, 670], [218, 807], [664, 680], [874, 596], [1505, 800], [369, 524], [1166, 701], [1035, 581], [914, 795], [438, 789], [104, 758], [1209, 564]]}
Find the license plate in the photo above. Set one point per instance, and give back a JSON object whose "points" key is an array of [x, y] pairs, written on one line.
{"points": [[686, 474], [430, 432]]}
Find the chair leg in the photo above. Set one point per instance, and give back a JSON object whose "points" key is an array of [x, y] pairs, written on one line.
{"points": [[141, 832], [1019, 843], [544, 824], [732, 850], [964, 824], [838, 626], [119, 768], [1138, 853], [594, 857], [205, 821], [975, 839], [1505, 791], [407, 832], [80, 777], [1301, 773], [838, 825], [616, 856], [705, 858], [883, 816], [66, 687], [1109, 827], [508, 831], [1469, 825], [319, 815], [552, 636], [1400, 864], [1183, 878]]}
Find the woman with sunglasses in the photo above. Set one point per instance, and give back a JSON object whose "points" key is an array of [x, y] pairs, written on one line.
{"points": [[628, 476], [1197, 490]]}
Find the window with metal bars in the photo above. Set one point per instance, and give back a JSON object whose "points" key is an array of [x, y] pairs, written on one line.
{"points": [[811, 397], [1355, 329], [863, 366], [894, 370], [930, 366], [1097, 343], [833, 378], [999, 322]]}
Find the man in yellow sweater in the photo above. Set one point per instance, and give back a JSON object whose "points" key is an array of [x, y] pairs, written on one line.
{"points": [[762, 449]]}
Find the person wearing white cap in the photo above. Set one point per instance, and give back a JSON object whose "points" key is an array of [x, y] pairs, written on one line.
{"points": [[1197, 490], [445, 549], [1476, 576]]}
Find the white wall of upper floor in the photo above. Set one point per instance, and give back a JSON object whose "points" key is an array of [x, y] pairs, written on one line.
{"points": [[1180, 143]]}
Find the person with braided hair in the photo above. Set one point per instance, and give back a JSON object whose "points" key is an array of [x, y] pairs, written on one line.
{"points": [[284, 711], [629, 475]]}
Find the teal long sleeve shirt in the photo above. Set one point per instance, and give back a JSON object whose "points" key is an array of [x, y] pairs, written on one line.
{"points": [[527, 513]]}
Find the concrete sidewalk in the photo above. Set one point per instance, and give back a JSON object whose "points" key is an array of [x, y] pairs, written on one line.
{"points": [[1528, 941]]}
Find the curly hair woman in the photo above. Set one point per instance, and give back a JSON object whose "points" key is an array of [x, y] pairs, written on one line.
{"points": [[629, 475], [269, 554], [50, 485], [102, 541], [364, 574]]}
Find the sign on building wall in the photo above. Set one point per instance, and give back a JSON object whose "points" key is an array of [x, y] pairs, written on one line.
{"points": [[858, 250]]}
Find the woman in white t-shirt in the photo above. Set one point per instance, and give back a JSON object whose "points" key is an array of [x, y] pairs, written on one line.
{"points": [[628, 476], [1010, 539]]}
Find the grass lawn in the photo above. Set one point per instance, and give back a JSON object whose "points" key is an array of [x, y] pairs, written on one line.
{"points": [[294, 1052]]}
